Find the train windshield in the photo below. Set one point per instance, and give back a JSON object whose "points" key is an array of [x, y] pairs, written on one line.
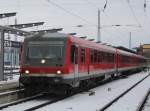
{"points": [[46, 50]]}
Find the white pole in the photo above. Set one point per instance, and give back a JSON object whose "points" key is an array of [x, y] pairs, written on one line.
{"points": [[98, 31]]}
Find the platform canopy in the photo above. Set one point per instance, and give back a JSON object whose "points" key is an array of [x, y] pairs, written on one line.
{"points": [[7, 29], [72, 33], [4, 15], [26, 25], [83, 37], [3, 30], [48, 30], [91, 39]]}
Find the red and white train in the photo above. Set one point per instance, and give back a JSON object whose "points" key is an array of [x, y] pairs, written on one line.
{"points": [[57, 61]]}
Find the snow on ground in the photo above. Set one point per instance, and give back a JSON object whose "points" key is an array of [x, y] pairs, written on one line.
{"points": [[14, 79], [103, 94], [25, 105], [132, 100]]}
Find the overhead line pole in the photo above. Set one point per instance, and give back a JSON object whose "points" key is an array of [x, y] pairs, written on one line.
{"points": [[130, 40], [99, 28]]}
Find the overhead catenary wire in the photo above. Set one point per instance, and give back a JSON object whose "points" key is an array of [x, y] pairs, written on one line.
{"points": [[69, 12], [135, 17], [91, 4], [103, 10], [133, 13], [85, 20]]}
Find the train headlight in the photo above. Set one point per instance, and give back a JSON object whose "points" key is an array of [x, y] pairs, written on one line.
{"points": [[27, 72], [43, 61], [58, 72]]}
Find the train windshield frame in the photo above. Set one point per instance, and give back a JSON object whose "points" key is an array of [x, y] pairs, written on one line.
{"points": [[45, 50]]}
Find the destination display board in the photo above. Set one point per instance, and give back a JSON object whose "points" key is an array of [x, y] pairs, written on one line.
{"points": [[14, 44]]}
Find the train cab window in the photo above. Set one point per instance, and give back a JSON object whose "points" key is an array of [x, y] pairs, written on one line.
{"points": [[82, 55], [72, 56]]}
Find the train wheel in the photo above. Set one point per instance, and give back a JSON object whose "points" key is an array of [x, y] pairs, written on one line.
{"points": [[31, 90], [63, 90]]}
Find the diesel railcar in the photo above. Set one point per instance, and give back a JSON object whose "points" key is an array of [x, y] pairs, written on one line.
{"points": [[57, 61]]}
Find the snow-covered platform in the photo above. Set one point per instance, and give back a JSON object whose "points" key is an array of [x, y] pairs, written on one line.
{"points": [[9, 84]]}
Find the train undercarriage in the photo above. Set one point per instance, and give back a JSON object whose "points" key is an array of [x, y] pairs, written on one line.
{"points": [[59, 86]]}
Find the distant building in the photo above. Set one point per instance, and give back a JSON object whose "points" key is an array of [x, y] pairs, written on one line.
{"points": [[144, 50]]}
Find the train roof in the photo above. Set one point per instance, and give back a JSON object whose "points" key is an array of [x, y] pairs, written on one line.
{"points": [[48, 35], [80, 41], [91, 44]]}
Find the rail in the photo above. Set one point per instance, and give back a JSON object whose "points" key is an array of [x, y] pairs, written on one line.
{"points": [[122, 94], [20, 101], [141, 106], [11, 92]]}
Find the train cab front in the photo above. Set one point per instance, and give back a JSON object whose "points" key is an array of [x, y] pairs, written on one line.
{"points": [[43, 61]]}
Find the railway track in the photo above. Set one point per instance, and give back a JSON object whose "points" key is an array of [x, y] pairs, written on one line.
{"points": [[7, 86], [30, 100], [122, 94], [105, 107], [45, 104], [11, 92], [20, 101], [56, 99], [12, 95], [50, 101], [143, 103]]}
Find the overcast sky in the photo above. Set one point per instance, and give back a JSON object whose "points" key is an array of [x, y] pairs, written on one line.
{"points": [[68, 14]]}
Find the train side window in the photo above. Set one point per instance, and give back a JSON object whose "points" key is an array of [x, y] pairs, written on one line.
{"points": [[72, 55], [82, 55], [76, 55], [99, 57], [105, 57], [113, 59], [102, 56], [108, 57], [95, 56], [91, 56]]}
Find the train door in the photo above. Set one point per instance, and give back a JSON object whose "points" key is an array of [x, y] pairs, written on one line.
{"points": [[76, 63], [116, 61]]}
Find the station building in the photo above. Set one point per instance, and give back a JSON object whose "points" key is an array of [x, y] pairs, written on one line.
{"points": [[145, 51]]}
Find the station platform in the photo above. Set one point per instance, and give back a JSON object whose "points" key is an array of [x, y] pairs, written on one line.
{"points": [[9, 85], [6, 86]]}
